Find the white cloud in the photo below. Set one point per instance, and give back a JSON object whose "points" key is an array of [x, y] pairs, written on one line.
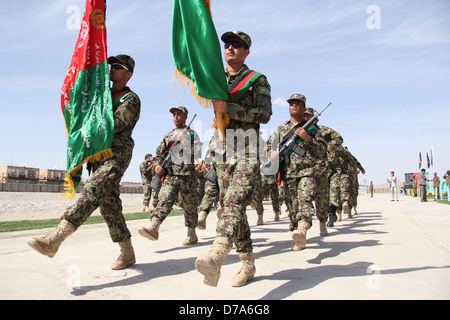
{"points": [[280, 102]]}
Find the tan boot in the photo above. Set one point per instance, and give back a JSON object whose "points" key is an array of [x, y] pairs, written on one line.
{"points": [[247, 271], [145, 208], [346, 209], [339, 215], [49, 244], [191, 237], [209, 264], [299, 235], [201, 224], [323, 229], [277, 216], [126, 257], [151, 233], [260, 220]]}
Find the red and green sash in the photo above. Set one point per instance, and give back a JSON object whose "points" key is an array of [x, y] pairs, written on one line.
{"points": [[241, 85], [119, 95], [86, 100]]}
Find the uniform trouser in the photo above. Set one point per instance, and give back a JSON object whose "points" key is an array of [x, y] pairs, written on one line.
{"points": [[186, 186], [274, 196], [210, 197], [147, 194], [236, 185], [322, 196], [102, 190], [339, 189], [257, 199], [303, 192]]}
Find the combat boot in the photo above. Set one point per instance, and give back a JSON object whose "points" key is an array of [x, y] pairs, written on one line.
{"points": [[260, 220], [49, 244], [126, 257], [151, 233], [346, 209], [299, 235], [277, 216], [145, 208], [201, 224], [323, 229], [247, 271], [339, 215], [209, 264], [191, 237]]}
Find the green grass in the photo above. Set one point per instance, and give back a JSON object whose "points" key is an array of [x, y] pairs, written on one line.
{"points": [[9, 226]]}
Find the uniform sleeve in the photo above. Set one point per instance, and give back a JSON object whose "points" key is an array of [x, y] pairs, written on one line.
{"points": [[127, 112]]}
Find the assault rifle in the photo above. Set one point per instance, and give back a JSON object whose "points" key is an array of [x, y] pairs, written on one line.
{"points": [[290, 144], [168, 159]]}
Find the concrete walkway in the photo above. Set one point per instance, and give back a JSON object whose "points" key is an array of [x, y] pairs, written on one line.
{"points": [[390, 250]]}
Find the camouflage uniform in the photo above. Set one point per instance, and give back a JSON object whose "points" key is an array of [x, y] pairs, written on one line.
{"points": [[102, 187], [210, 197], [340, 160], [258, 197], [146, 175], [237, 175], [182, 181], [274, 192], [298, 174], [322, 201]]}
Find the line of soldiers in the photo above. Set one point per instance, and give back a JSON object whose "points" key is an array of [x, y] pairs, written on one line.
{"points": [[323, 173]]}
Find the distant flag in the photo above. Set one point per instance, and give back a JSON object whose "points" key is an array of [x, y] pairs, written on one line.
{"points": [[86, 101], [431, 156], [197, 54], [428, 161], [420, 160]]}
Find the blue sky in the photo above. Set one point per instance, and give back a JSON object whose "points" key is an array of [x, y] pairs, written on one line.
{"points": [[384, 65]]}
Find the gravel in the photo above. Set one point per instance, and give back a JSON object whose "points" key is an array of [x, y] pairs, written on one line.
{"points": [[15, 206]]}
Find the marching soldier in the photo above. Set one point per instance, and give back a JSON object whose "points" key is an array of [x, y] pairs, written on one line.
{"points": [[102, 187], [146, 169], [333, 140], [181, 180], [237, 175], [298, 172]]}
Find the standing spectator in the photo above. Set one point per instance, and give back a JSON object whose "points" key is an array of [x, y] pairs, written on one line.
{"points": [[423, 185], [394, 189], [436, 182]]}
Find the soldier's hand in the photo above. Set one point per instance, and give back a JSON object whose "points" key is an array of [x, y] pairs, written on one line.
{"points": [[274, 156], [303, 134], [159, 170], [220, 106]]}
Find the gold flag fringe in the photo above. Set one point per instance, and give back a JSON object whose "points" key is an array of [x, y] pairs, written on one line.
{"points": [[69, 186], [185, 81]]}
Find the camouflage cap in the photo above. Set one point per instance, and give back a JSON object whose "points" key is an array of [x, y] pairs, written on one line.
{"points": [[297, 96], [237, 34], [148, 156], [181, 108], [310, 111], [122, 58]]}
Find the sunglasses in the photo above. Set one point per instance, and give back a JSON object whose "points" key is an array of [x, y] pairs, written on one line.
{"points": [[236, 44], [119, 66]]}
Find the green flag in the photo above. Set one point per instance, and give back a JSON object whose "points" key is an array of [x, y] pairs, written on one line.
{"points": [[86, 101], [197, 53]]}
